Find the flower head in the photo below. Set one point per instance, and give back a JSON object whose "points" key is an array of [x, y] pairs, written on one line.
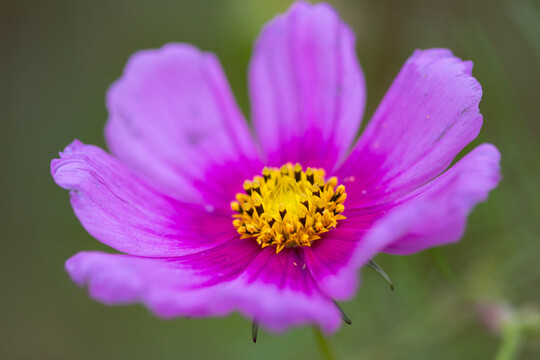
{"points": [[275, 223]]}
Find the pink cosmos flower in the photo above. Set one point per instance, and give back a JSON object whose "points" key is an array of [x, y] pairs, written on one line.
{"points": [[275, 221]]}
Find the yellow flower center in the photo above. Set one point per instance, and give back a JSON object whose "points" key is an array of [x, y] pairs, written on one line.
{"points": [[288, 206]]}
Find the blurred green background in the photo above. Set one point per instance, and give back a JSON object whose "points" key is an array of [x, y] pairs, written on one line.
{"points": [[58, 59]]}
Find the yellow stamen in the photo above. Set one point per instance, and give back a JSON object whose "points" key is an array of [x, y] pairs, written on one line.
{"points": [[288, 207]]}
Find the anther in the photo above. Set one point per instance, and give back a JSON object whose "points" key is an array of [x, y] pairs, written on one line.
{"points": [[341, 198], [316, 190], [251, 228], [247, 187], [235, 206], [241, 230], [332, 182], [339, 190], [282, 211], [266, 174], [248, 209], [258, 206], [297, 172], [255, 186], [309, 175], [289, 227]]}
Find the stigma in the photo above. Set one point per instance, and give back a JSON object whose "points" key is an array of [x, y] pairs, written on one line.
{"points": [[288, 206]]}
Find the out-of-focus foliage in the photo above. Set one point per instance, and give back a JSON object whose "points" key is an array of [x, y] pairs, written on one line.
{"points": [[57, 60]]}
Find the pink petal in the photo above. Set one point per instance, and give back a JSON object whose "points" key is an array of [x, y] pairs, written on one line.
{"points": [[441, 207], [426, 118], [278, 290], [120, 210], [329, 259], [433, 215], [174, 120], [168, 286], [307, 88]]}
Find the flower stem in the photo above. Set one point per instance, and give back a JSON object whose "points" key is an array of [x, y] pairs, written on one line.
{"points": [[323, 345], [511, 341]]}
